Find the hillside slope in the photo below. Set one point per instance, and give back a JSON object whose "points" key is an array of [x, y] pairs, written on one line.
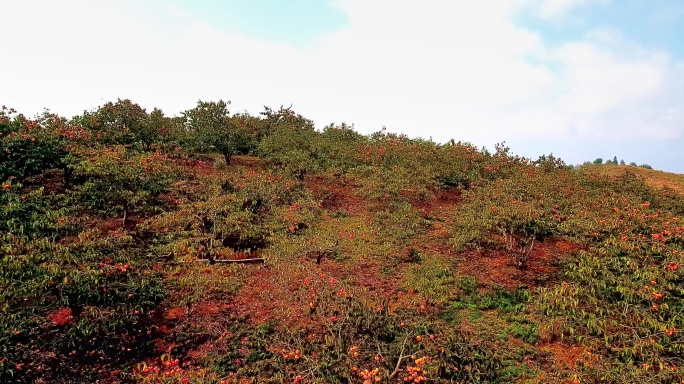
{"points": [[241, 249], [652, 177]]}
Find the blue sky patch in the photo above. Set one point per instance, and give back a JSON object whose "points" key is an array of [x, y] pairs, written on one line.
{"points": [[297, 22], [657, 24]]}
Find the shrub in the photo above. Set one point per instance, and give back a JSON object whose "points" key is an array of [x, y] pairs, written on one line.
{"points": [[520, 210], [464, 360], [118, 182], [234, 215], [70, 310], [32, 147], [294, 148]]}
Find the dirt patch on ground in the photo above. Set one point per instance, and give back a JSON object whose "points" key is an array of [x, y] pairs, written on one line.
{"points": [[269, 295], [246, 161], [498, 268], [335, 195], [175, 313], [367, 277], [440, 210], [440, 203], [564, 356], [61, 317], [307, 297]]}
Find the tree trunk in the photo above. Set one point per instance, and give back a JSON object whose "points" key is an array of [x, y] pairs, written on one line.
{"points": [[227, 156], [125, 214], [68, 175]]}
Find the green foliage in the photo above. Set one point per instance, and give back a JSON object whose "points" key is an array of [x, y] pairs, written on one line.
{"points": [[67, 307], [122, 123], [525, 331], [399, 222], [259, 206], [471, 362], [249, 131], [30, 215], [504, 300], [284, 118], [460, 165], [117, 181], [210, 129], [156, 128], [549, 163], [338, 145], [293, 145], [431, 279], [467, 284], [32, 147], [519, 210]]}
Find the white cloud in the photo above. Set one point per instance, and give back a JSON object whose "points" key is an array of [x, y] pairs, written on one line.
{"points": [[435, 68], [551, 8], [466, 71], [613, 88], [554, 9], [598, 80]]}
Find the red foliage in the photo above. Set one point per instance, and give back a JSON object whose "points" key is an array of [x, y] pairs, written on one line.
{"points": [[175, 313], [61, 317], [497, 268]]}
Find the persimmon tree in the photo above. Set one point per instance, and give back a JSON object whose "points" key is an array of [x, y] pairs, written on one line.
{"points": [[512, 213], [117, 180], [293, 144], [121, 122], [210, 129], [30, 147], [339, 145], [153, 128], [284, 117], [249, 131]]}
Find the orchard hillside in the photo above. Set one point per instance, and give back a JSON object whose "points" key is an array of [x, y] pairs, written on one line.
{"points": [[213, 247]]}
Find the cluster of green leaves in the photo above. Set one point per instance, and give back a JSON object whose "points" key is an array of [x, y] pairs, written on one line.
{"points": [[33, 147], [624, 295], [241, 213], [122, 182], [66, 304], [516, 211]]}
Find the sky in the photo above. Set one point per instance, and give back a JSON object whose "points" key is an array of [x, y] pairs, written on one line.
{"points": [[581, 79]]}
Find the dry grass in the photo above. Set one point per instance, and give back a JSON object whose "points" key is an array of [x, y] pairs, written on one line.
{"points": [[654, 178]]}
